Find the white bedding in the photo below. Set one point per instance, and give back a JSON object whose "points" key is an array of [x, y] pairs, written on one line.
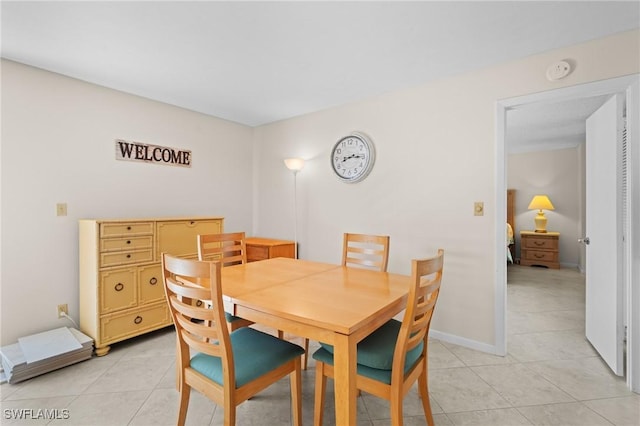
{"points": [[510, 241]]}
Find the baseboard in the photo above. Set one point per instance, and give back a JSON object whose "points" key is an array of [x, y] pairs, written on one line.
{"points": [[462, 341], [570, 266]]}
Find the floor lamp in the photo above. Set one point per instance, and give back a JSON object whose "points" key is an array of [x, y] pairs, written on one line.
{"points": [[295, 165]]}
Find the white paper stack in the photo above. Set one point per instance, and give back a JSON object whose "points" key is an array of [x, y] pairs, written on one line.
{"points": [[44, 352]]}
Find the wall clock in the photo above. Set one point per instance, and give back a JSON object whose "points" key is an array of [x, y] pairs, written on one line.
{"points": [[352, 157]]}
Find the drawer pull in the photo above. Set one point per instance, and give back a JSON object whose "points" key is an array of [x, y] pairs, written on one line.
{"points": [[539, 256], [118, 287], [199, 303], [128, 228], [153, 281], [128, 256], [138, 319], [128, 241], [538, 243]]}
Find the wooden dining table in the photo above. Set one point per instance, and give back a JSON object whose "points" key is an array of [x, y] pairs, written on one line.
{"points": [[320, 301]]}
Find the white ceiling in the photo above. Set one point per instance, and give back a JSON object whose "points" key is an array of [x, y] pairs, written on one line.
{"points": [[259, 62], [559, 125]]}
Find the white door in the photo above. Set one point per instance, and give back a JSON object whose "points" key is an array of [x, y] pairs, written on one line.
{"points": [[604, 291]]}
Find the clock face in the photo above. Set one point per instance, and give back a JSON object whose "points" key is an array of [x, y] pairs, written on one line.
{"points": [[352, 157]]}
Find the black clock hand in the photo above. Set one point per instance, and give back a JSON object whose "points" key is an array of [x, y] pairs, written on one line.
{"points": [[351, 156]]}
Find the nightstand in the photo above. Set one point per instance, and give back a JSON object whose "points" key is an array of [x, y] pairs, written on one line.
{"points": [[267, 248], [539, 249]]}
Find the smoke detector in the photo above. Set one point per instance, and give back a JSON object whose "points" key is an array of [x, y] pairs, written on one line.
{"points": [[558, 70]]}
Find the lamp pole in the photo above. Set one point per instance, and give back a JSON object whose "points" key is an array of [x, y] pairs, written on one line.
{"points": [[295, 165], [295, 215]]}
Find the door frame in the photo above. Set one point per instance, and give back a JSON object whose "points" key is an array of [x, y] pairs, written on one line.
{"points": [[632, 281]]}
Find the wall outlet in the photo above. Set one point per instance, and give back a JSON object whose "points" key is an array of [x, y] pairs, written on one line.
{"points": [[63, 309]]}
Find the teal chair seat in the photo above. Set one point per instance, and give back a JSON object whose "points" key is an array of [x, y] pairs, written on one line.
{"points": [[375, 353], [254, 353], [231, 318]]}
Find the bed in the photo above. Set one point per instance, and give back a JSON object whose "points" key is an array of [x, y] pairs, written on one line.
{"points": [[511, 225]]}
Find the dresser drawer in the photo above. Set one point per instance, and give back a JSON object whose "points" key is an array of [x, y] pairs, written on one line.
{"points": [[540, 243], [123, 229], [118, 290], [150, 286], [127, 243], [117, 258], [116, 327], [179, 238]]}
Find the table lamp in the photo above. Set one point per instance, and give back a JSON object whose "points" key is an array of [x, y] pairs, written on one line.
{"points": [[541, 202]]}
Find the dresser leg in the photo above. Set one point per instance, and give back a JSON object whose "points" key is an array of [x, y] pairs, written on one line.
{"points": [[102, 351]]}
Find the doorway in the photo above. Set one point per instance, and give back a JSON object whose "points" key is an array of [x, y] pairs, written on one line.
{"points": [[626, 85]]}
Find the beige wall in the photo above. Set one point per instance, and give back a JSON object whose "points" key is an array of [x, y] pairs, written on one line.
{"points": [[58, 146], [435, 157], [560, 175]]}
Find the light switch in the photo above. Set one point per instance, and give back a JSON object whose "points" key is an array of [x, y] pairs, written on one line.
{"points": [[61, 209], [478, 208]]}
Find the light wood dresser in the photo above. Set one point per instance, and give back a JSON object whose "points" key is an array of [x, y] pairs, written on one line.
{"points": [[121, 290], [267, 248], [539, 249]]}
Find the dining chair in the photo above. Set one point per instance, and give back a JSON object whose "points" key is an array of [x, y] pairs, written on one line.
{"points": [[364, 251], [394, 356], [361, 250], [370, 251], [229, 249], [228, 368]]}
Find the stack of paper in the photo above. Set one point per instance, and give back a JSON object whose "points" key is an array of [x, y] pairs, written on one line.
{"points": [[44, 352]]}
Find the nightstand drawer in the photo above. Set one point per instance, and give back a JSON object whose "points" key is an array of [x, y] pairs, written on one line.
{"points": [[540, 243], [536, 255]]}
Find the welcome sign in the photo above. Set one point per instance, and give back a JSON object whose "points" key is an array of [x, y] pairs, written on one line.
{"points": [[136, 151]]}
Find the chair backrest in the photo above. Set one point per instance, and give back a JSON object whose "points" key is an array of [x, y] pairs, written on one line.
{"points": [[370, 251], [202, 328], [426, 276], [229, 248]]}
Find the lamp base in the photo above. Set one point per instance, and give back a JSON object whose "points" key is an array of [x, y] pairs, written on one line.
{"points": [[541, 222]]}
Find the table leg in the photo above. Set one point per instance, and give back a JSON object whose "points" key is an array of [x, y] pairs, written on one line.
{"points": [[344, 359]]}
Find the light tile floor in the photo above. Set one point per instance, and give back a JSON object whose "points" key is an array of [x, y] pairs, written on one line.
{"points": [[551, 376]]}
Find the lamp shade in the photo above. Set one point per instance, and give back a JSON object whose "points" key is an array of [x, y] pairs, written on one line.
{"points": [[294, 164], [540, 202]]}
